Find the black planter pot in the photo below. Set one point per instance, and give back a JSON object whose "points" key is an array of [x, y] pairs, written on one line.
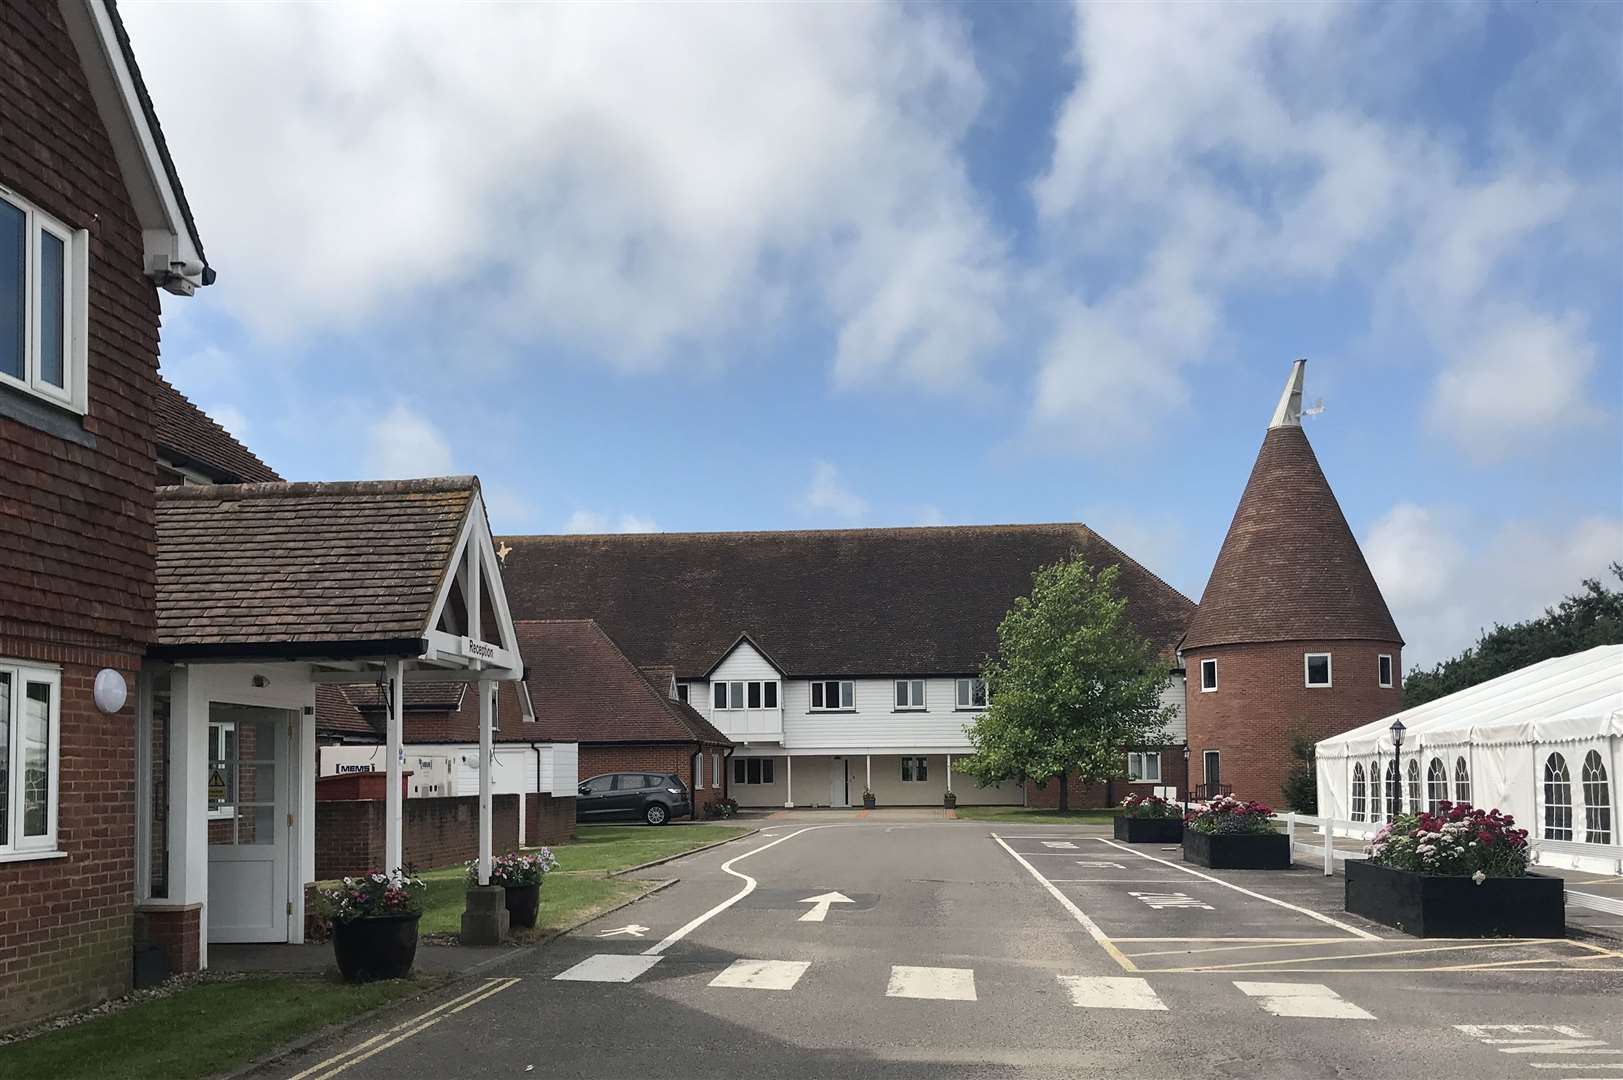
{"points": [[1237, 851], [1148, 830], [380, 948], [949, 801], [522, 902], [1434, 905], [868, 803]]}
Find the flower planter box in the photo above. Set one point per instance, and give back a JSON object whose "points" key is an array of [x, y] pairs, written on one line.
{"points": [[1237, 851], [1148, 830], [522, 902], [378, 948], [1435, 905]]}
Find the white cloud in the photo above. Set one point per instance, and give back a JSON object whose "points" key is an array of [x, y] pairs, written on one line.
{"points": [[590, 521], [1157, 540], [403, 444], [827, 496], [633, 180], [1446, 579]]}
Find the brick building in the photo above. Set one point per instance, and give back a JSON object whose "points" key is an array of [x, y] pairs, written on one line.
{"points": [[1292, 637]]}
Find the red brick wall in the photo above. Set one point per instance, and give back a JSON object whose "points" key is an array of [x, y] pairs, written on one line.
{"points": [[437, 833], [1098, 796], [179, 931], [677, 758], [548, 820], [77, 540], [1261, 702]]}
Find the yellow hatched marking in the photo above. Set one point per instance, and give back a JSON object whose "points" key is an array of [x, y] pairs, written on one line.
{"points": [[1248, 948], [1519, 942], [1538, 960]]}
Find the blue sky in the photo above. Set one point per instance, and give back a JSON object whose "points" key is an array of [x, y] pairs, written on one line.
{"points": [[826, 266]]}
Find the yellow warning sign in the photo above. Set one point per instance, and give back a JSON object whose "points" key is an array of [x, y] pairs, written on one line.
{"points": [[217, 786]]}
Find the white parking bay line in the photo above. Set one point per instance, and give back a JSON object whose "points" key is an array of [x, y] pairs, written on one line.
{"points": [[609, 967], [1064, 844], [1111, 992], [937, 984], [762, 974], [1302, 999]]}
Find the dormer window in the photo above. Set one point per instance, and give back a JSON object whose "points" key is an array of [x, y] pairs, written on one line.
{"points": [[43, 311], [1316, 666]]}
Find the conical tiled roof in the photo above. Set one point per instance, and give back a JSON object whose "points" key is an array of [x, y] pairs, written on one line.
{"points": [[1289, 569]]}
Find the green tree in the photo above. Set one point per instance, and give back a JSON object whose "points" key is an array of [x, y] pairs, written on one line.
{"points": [[1593, 616], [1301, 788], [1073, 684]]}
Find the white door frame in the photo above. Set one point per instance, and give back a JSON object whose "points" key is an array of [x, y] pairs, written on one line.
{"points": [[285, 752]]}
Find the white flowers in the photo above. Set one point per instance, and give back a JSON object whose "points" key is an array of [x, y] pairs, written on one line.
{"points": [[1479, 877]]}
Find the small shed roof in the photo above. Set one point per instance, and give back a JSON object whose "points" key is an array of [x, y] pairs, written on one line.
{"points": [[1563, 699]]}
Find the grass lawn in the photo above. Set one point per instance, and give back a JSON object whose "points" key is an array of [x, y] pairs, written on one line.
{"points": [[1035, 815], [207, 1028], [616, 847]]}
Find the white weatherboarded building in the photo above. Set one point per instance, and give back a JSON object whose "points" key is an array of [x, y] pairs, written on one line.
{"points": [[1544, 744]]}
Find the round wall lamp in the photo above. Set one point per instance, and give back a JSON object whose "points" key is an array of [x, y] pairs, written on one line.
{"points": [[110, 691]]}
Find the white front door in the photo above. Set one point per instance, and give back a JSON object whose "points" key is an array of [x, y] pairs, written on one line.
{"points": [[248, 829], [838, 793]]}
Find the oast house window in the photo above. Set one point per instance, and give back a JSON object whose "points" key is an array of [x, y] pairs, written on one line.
{"points": [[915, 770], [833, 694], [971, 693], [755, 770], [910, 693], [1383, 669], [43, 310], [1144, 767], [1208, 676], [1317, 666], [28, 758]]}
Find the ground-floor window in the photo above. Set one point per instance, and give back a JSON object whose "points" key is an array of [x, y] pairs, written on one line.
{"points": [[29, 722], [715, 770], [698, 772], [1597, 801], [1557, 799], [915, 770], [1144, 767], [755, 770]]}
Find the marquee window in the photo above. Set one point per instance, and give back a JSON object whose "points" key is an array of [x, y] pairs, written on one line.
{"points": [[1557, 799], [1358, 792], [29, 723], [1597, 801], [43, 312], [1394, 790], [1414, 786], [1375, 791], [833, 694], [1462, 781], [1436, 784]]}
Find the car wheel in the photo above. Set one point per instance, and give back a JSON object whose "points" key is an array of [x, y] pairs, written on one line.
{"points": [[655, 814]]}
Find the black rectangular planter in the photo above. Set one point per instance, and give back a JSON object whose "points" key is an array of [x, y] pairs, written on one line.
{"points": [[1148, 830], [1432, 905], [1237, 851]]}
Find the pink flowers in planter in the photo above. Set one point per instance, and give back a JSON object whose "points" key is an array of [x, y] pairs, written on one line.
{"points": [[373, 896], [1458, 840], [1228, 816], [516, 868], [1138, 805]]}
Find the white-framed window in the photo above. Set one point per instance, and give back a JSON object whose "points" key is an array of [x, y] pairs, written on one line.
{"points": [[30, 722], [971, 693], [915, 770], [1597, 801], [1316, 668], [1144, 768], [1414, 786], [833, 694], [1462, 781], [909, 693], [1383, 669], [44, 311], [751, 771], [1208, 676], [1394, 790], [698, 772], [1375, 791], [222, 769], [747, 695], [1436, 784], [1557, 799], [715, 770], [1358, 791], [681, 691]]}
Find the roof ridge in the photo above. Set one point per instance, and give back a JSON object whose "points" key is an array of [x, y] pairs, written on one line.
{"points": [[877, 530], [286, 489]]}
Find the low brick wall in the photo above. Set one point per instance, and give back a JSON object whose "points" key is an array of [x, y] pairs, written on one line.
{"points": [[175, 930], [1099, 796], [437, 832], [548, 820]]}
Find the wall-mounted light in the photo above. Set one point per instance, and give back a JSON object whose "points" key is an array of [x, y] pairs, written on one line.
{"points": [[110, 691]]}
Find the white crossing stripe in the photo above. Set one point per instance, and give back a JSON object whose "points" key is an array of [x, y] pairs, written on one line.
{"points": [[1302, 999], [1065, 844], [940, 984], [1170, 900], [609, 967], [762, 974], [1111, 992]]}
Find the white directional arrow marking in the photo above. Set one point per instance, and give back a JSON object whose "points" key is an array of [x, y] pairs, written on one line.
{"points": [[820, 912], [630, 929]]}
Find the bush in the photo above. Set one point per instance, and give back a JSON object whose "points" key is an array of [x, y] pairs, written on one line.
{"points": [[372, 896], [1458, 841], [1228, 816], [721, 808], [1148, 806], [1301, 789], [515, 869]]}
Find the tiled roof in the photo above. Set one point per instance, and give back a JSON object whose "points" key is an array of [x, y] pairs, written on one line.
{"points": [[265, 568], [845, 602], [188, 436], [585, 690], [336, 717], [369, 697], [1289, 568]]}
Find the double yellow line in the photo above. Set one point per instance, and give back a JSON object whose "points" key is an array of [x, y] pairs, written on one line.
{"points": [[402, 1031]]}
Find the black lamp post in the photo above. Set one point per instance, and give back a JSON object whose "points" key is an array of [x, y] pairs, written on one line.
{"points": [[1186, 780], [1397, 730]]}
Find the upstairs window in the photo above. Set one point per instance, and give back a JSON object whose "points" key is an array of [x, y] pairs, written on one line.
{"points": [[28, 758], [1383, 669], [1208, 676], [681, 691], [910, 693], [832, 694], [971, 693], [1316, 665], [43, 311], [747, 695]]}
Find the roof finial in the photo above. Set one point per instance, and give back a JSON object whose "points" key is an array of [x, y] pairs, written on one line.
{"points": [[1289, 411]]}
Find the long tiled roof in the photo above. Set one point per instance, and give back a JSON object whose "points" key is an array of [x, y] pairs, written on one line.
{"points": [[1289, 568], [270, 567], [849, 602], [190, 437]]}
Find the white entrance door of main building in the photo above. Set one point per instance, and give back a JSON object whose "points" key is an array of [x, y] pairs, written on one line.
{"points": [[249, 824]]}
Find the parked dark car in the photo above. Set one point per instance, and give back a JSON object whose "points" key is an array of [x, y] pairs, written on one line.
{"points": [[651, 797]]}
